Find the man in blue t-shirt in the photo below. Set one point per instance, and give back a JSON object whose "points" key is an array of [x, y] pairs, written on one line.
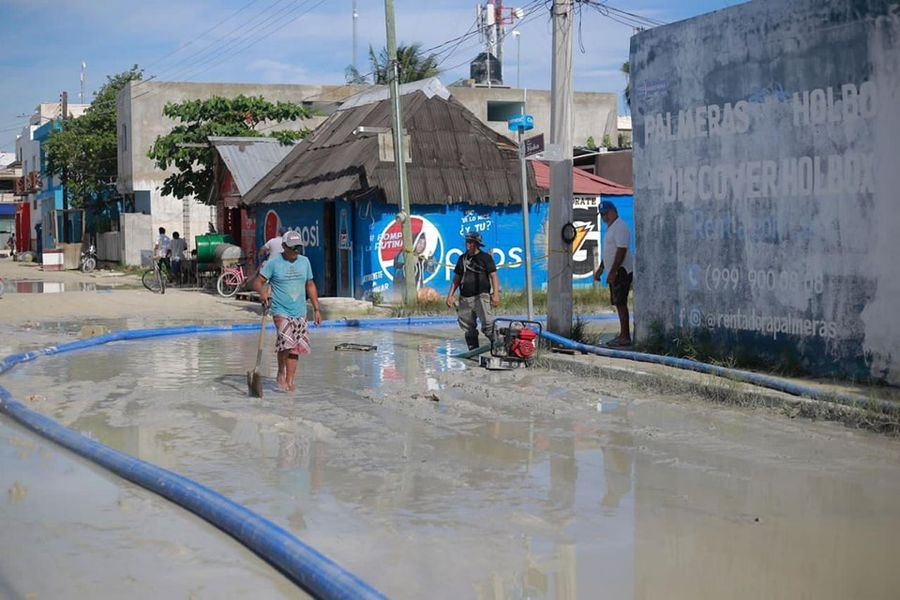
{"points": [[290, 281]]}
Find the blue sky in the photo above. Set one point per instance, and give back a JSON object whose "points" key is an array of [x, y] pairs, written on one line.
{"points": [[279, 41]]}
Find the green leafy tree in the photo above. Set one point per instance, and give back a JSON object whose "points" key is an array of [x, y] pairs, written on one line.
{"points": [[186, 147], [353, 77], [413, 65], [625, 69], [83, 151]]}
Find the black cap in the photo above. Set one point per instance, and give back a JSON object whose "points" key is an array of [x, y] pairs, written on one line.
{"points": [[474, 237]]}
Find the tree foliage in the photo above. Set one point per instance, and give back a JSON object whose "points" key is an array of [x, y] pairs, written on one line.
{"points": [[186, 147], [413, 65], [84, 150], [625, 69]]}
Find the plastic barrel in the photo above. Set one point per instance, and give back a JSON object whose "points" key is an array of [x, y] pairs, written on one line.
{"points": [[206, 246]]}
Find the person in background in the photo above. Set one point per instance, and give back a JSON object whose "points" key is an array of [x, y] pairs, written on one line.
{"points": [[285, 281], [479, 290], [177, 249], [617, 254], [272, 247], [162, 248]]}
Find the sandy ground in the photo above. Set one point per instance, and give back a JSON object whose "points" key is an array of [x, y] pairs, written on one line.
{"points": [[423, 474]]}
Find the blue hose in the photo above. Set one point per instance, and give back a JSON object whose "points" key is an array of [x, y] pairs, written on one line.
{"points": [[311, 570], [766, 381]]}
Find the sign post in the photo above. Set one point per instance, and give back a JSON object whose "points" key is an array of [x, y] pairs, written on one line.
{"points": [[521, 124]]}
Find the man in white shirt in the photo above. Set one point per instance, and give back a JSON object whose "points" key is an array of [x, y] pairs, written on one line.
{"points": [[617, 254], [272, 247], [177, 247], [162, 248]]}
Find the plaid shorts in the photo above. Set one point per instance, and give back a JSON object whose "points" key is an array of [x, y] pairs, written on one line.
{"points": [[293, 334]]}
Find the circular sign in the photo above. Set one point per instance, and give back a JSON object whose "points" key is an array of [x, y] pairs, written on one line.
{"points": [[428, 245], [271, 225]]}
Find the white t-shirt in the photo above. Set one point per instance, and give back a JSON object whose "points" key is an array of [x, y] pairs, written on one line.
{"points": [[163, 242], [178, 247], [617, 236], [274, 246]]}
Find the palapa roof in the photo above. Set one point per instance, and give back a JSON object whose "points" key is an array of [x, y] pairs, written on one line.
{"points": [[455, 159]]}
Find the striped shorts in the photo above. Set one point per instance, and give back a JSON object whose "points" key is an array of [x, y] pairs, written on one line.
{"points": [[292, 334]]}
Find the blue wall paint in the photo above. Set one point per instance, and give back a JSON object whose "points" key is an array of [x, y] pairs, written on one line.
{"points": [[305, 218], [439, 232]]}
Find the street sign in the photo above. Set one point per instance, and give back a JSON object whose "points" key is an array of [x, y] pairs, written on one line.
{"points": [[523, 122], [535, 144]]}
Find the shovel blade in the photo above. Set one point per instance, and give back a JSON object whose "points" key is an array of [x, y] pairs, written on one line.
{"points": [[254, 384]]}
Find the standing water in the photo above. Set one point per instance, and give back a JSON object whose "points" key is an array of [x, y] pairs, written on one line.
{"points": [[429, 477]]}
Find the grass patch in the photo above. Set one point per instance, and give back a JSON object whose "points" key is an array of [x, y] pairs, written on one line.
{"points": [[585, 301]]}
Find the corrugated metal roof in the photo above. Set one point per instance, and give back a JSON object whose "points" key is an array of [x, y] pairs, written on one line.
{"points": [[584, 183], [430, 87], [249, 158], [455, 159]]}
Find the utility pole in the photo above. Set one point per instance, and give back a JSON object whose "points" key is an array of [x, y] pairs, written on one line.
{"points": [[65, 176], [409, 270], [355, 20], [526, 230], [559, 263]]}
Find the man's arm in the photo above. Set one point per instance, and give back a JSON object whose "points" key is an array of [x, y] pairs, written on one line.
{"points": [[614, 270], [313, 294], [453, 285], [261, 285]]}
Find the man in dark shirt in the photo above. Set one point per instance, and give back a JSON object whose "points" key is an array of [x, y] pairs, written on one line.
{"points": [[479, 290]]}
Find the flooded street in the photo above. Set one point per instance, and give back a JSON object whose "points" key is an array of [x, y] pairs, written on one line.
{"points": [[429, 477]]}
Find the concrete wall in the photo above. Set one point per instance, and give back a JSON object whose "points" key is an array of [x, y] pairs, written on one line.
{"points": [[766, 176], [136, 238], [140, 120], [594, 113]]}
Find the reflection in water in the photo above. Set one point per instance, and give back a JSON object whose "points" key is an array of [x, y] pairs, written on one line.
{"points": [[431, 478], [24, 286]]}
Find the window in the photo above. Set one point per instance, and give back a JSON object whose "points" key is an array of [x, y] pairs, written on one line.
{"points": [[502, 110]]}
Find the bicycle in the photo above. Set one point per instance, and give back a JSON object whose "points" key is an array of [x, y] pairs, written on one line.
{"points": [[155, 279], [231, 281]]}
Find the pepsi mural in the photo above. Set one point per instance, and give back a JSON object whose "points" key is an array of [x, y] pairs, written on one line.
{"points": [[438, 233]]}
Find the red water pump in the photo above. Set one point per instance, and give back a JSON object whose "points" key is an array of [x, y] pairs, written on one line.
{"points": [[514, 343], [522, 345]]}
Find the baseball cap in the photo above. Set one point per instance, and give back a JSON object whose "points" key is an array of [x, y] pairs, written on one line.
{"points": [[292, 239], [474, 237], [605, 206]]}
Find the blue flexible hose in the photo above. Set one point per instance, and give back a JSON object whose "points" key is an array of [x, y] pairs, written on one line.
{"points": [[311, 570], [765, 381]]}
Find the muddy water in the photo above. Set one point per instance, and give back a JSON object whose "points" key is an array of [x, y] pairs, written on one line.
{"points": [[431, 478]]}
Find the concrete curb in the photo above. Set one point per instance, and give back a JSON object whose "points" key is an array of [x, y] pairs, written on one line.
{"points": [[720, 390]]}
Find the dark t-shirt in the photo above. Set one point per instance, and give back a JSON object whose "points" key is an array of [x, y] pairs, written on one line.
{"points": [[474, 273]]}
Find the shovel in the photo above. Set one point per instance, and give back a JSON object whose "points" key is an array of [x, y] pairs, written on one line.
{"points": [[254, 379]]}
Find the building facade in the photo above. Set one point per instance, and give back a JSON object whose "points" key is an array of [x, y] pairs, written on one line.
{"points": [[766, 183]]}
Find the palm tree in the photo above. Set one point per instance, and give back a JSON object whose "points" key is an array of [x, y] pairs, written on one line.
{"points": [[413, 66], [626, 70]]}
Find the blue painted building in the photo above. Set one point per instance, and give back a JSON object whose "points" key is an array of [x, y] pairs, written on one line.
{"points": [[338, 189]]}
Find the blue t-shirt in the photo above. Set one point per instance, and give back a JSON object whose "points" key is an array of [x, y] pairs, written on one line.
{"points": [[288, 281]]}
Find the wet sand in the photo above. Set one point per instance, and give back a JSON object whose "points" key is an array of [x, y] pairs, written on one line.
{"points": [[429, 477]]}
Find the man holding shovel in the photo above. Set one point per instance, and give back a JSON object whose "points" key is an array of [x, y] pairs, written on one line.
{"points": [[285, 282]]}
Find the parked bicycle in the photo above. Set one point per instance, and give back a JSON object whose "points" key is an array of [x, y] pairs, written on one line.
{"points": [[155, 279], [232, 280]]}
